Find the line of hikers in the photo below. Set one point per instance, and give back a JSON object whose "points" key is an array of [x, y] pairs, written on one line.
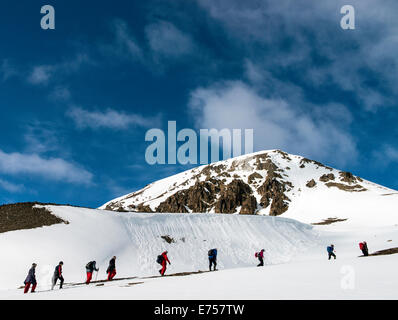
{"points": [[162, 259], [90, 268]]}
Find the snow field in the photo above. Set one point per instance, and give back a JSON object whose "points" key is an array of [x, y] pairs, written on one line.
{"points": [[135, 238]]}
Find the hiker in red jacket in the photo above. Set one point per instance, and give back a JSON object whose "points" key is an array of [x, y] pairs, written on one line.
{"points": [[260, 256], [58, 275], [164, 263], [364, 248]]}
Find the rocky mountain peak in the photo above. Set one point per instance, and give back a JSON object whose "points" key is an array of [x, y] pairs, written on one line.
{"points": [[265, 182]]}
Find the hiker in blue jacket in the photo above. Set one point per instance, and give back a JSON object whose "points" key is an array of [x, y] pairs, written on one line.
{"points": [[212, 258], [31, 279], [330, 250]]}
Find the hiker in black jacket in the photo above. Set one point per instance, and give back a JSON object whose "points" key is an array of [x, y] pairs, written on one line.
{"points": [[90, 267], [111, 271], [58, 275]]}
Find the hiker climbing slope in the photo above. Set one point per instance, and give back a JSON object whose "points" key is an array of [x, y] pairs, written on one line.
{"points": [[31, 279], [330, 250], [163, 259], [212, 258], [111, 271], [90, 268], [58, 275], [260, 257], [364, 248]]}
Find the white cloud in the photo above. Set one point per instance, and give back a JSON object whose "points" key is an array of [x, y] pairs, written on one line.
{"points": [[110, 119], [167, 40], [41, 74], [11, 187], [47, 168], [276, 123]]}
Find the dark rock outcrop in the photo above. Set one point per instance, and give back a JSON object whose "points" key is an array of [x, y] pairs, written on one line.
{"points": [[253, 177], [311, 183], [234, 195], [349, 177], [142, 208], [327, 177], [273, 190], [198, 198]]}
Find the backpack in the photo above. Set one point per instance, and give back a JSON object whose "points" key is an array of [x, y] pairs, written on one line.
{"points": [[361, 246], [88, 265], [159, 259], [211, 252], [256, 254]]}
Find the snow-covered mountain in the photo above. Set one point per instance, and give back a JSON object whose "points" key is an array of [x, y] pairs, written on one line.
{"points": [[268, 183]]}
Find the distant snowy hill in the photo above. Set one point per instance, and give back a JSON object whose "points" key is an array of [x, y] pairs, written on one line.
{"points": [[268, 183]]}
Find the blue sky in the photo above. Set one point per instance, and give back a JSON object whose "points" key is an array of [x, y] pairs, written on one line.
{"points": [[77, 101]]}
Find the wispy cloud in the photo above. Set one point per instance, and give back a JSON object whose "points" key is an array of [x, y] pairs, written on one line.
{"points": [[7, 70], [108, 119], [124, 44], [44, 74], [11, 187], [40, 138], [60, 93], [56, 169], [385, 155], [163, 45], [166, 40]]}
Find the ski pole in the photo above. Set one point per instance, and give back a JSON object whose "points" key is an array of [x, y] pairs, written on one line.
{"points": [[96, 276]]}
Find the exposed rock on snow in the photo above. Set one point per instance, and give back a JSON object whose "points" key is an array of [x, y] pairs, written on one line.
{"points": [[328, 221], [327, 177], [344, 187], [311, 183], [26, 215]]}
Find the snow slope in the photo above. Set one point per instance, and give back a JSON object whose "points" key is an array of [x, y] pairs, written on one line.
{"points": [[363, 203], [308, 276], [135, 238]]}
